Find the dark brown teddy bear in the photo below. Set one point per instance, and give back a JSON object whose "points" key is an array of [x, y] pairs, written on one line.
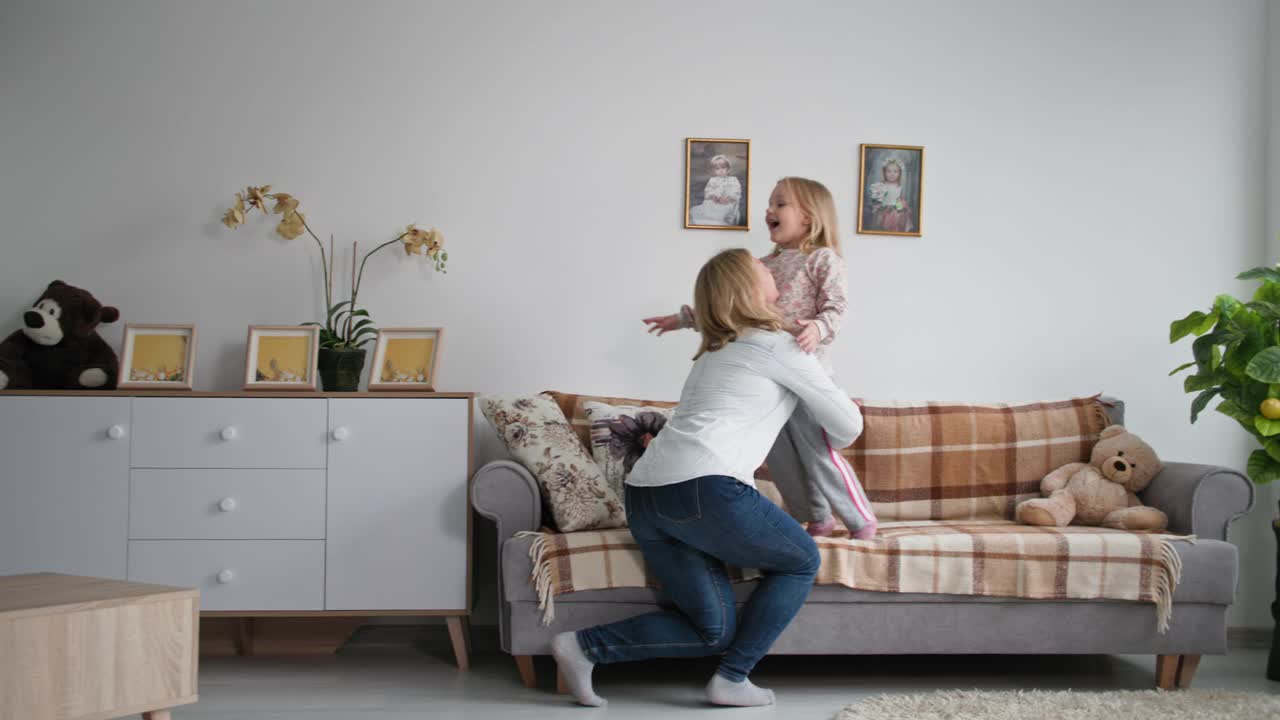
{"points": [[59, 347]]}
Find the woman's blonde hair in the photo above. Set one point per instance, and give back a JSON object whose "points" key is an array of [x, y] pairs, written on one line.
{"points": [[814, 200], [726, 300]]}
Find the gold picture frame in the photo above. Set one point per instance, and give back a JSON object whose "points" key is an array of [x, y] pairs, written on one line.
{"points": [[889, 205], [406, 359], [281, 357], [717, 184], [157, 357]]}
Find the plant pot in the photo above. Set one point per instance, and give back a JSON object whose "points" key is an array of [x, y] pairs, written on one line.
{"points": [[1273, 660], [340, 370]]}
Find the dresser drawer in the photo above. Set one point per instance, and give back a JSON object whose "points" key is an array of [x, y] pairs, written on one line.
{"points": [[182, 504], [236, 574], [229, 432]]}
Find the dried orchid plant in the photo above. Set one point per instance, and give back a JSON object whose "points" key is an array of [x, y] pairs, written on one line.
{"points": [[346, 326]]}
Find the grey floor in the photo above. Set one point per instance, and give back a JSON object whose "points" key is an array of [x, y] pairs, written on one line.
{"points": [[397, 673]]}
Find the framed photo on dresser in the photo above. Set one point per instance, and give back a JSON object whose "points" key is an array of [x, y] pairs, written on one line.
{"points": [[281, 357], [406, 359], [157, 357]]}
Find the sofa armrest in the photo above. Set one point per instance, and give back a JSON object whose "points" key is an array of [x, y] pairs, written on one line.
{"points": [[506, 493], [1200, 500]]}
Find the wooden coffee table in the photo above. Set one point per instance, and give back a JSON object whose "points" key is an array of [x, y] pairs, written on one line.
{"points": [[78, 648]]}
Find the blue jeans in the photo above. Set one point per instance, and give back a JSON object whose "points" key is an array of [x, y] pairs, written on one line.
{"points": [[687, 532]]}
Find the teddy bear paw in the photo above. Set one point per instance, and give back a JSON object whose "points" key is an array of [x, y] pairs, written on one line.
{"points": [[4, 380], [1043, 512], [92, 378]]}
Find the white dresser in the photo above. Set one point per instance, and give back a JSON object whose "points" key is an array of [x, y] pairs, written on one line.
{"points": [[270, 504]]}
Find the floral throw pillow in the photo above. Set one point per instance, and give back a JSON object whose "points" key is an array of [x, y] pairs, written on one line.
{"points": [[619, 436], [540, 438]]}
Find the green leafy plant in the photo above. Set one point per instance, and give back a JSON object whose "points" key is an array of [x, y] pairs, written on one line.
{"points": [[1236, 357], [347, 326]]}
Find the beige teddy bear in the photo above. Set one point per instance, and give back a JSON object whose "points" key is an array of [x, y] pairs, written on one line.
{"points": [[1101, 491]]}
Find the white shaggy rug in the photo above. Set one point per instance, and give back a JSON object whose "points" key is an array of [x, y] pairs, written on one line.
{"points": [[1067, 705]]}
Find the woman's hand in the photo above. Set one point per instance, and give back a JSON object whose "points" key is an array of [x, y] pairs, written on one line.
{"points": [[663, 323], [807, 335]]}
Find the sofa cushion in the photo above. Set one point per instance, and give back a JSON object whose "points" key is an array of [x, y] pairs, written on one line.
{"points": [[574, 408], [572, 485], [619, 436], [1209, 576]]}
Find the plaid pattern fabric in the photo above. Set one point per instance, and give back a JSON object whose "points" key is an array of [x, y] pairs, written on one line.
{"points": [[975, 557], [943, 461], [950, 461]]}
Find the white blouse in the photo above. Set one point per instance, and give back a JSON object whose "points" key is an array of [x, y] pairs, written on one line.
{"points": [[733, 405]]}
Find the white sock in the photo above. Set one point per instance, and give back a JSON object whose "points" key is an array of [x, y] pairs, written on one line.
{"points": [[723, 691], [575, 666]]}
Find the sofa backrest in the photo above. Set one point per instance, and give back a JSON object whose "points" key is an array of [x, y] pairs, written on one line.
{"points": [[943, 461], [936, 461]]}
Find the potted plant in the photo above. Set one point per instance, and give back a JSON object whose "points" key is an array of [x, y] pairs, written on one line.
{"points": [[347, 326], [1236, 356]]}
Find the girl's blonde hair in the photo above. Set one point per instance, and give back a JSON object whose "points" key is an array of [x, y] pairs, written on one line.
{"points": [[814, 200], [726, 300], [721, 160]]}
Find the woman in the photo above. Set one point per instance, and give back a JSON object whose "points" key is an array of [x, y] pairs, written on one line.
{"points": [[691, 500]]}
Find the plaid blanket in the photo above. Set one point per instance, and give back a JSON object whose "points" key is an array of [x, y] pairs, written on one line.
{"points": [[943, 461], [971, 557]]}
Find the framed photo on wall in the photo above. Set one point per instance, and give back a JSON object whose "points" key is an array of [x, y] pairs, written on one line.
{"points": [[281, 357], [406, 359], [717, 184], [892, 181], [158, 357]]}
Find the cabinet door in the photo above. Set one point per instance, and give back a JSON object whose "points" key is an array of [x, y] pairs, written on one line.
{"points": [[64, 485], [398, 508]]}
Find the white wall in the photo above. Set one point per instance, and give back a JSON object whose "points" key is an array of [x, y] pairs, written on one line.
{"points": [[1092, 172]]}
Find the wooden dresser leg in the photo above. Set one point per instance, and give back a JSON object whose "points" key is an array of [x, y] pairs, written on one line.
{"points": [[245, 646], [1187, 670], [1167, 671], [527, 676], [460, 633], [156, 715]]}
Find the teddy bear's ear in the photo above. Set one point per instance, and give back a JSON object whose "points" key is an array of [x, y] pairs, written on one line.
{"points": [[109, 314], [1111, 431]]}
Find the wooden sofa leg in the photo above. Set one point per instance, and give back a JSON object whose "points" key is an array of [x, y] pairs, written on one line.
{"points": [[1167, 671], [525, 665], [1187, 670], [562, 686]]}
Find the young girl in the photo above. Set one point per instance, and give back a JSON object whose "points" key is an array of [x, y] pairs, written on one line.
{"points": [[721, 198], [886, 203], [806, 265]]}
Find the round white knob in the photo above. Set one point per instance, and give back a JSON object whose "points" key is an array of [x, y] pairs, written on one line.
{"points": [[226, 576], [341, 433], [227, 505], [115, 432], [229, 433]]}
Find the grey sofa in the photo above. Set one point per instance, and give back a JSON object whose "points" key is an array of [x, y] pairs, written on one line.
{"points": [[1199, 499]]}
